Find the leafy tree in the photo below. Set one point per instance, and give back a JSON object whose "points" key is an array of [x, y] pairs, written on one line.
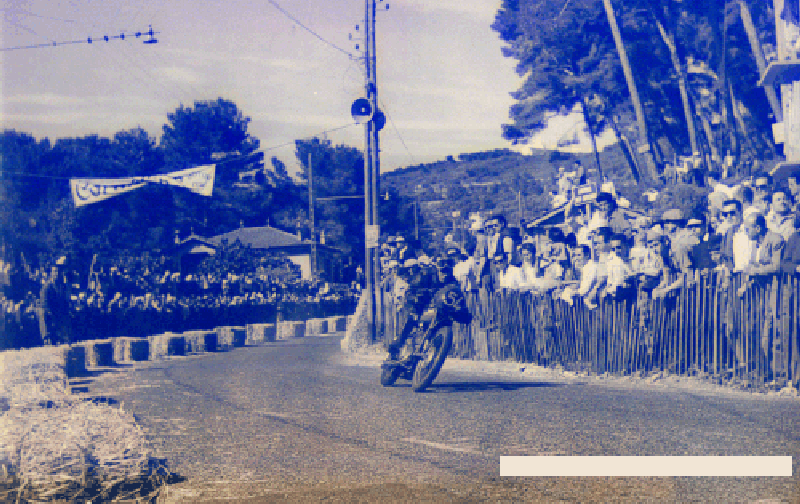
{"points": [[209, 132], [338, 171], [697, 85], [568, 58]]}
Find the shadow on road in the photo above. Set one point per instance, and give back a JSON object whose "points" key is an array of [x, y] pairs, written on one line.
{"points": [[476, 386]]}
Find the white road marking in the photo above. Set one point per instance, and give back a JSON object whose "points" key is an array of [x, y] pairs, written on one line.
{"points": [[442, 446]]}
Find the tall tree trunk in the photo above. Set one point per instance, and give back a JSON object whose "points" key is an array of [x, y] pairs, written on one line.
{"points": [[625, 146], [744, 132], [637, 104], [669, 39], [589, 126], [758, 54]]}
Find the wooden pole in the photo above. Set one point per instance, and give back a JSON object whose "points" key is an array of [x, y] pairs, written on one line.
{"points": [[311, 217]]}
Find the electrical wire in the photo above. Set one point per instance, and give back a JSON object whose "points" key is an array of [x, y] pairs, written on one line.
{"points": [[309, 30], [87, 40], [386, 113]]}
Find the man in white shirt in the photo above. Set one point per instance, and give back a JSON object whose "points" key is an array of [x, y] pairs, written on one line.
{"points": [[618, 269], [780, 218], [507, 275]]}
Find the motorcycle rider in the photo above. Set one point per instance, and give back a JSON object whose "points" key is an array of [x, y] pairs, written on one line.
{"points": [[421, 290]]}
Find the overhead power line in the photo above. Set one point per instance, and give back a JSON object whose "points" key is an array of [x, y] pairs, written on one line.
{"points": [[88, 40], [309, 30]]}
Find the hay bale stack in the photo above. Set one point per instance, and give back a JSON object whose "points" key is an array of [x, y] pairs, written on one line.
{"points": [[259, 333], [231, 336], [200, 341], [288, 330], [33, 375], [337, 324], [99, 353], [316, 327], [69, 439], [166, 345], [127, 349]]}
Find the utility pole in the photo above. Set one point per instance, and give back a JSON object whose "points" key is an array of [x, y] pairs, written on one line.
{"points": [[311, 216], [371, 174]]}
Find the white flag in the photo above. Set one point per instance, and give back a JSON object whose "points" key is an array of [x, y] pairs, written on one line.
{"points": [[199, 179]]}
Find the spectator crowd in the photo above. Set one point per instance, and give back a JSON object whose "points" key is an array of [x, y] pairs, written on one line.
{"points": [[750, 230], [137, 296]]}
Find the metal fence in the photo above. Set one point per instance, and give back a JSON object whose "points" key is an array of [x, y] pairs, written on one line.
{"points": [[714, 327]]}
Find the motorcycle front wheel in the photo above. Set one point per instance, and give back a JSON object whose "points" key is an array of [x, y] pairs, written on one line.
{"points": [[434, 353]]}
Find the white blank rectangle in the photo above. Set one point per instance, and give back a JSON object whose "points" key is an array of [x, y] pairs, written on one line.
{"points": [[645, 466]]}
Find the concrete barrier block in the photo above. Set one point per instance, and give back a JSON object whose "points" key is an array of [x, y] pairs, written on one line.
{"points": [[337, 324], [316, 327], [127, 349], [76, 362], [99, 353], [201, 341], [231, 336], [166, 345], [288, 330], [259, 333]]}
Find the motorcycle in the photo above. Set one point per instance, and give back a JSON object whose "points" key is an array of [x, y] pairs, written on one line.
{"points": [[430, 340]]}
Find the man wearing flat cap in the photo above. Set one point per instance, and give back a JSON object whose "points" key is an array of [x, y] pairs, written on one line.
{"points": [[680, 239]]}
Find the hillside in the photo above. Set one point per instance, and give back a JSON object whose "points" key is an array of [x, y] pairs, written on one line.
{"points": [[492, 181]]}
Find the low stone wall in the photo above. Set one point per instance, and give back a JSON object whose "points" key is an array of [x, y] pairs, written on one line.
{"points": [[98, 353]]}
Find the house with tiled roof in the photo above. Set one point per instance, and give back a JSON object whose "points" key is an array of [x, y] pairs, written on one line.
{"points": [[330, 260]]}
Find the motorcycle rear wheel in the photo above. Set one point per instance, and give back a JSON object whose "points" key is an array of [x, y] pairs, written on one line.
{"points": [[390, 375], [435, 352]]}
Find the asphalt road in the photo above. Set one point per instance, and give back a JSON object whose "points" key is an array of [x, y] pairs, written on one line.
{"points": [[293, 422]]}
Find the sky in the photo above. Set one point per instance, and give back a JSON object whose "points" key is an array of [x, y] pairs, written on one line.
{"points": [[442, 80]]}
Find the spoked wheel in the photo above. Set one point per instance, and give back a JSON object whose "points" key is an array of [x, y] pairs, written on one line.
{"points": [[390, 375], [434, 352]]}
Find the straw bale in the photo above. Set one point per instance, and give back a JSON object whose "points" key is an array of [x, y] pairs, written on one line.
{"points": [[200, 341], [231, 336], [259, 333], [288, 330], [69, 439], [33, 375], [316, 327]]}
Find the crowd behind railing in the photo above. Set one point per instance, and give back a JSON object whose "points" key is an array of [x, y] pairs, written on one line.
{"points": [[715, 276], [138, 296]]}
